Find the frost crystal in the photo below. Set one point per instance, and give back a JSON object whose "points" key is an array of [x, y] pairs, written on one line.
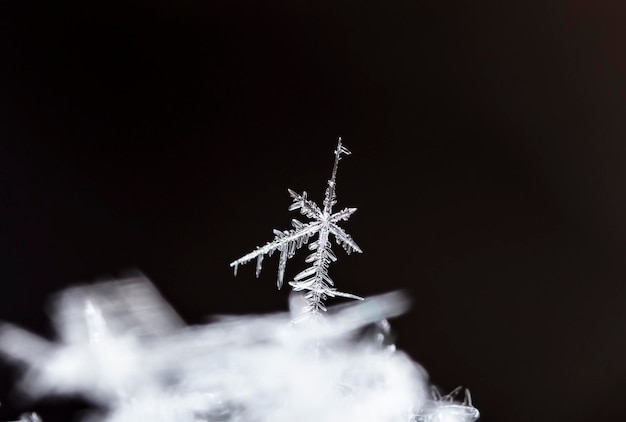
{"points": [[314, 279], [446, 409]]}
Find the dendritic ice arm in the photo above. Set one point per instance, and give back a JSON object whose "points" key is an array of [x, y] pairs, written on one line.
{"points": [[316, 279], [286, 242], [306, 206], [344, 239]]}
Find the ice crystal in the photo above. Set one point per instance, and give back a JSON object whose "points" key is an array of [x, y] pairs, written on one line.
{"points": [[315, 279], [447, 409]]}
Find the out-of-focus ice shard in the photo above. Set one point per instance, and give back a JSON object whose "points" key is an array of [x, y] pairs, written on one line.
{"points": [[103, 330], [28, 417]]}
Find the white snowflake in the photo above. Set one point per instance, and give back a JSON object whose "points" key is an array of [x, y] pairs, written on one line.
{"points": [[324, 222]]}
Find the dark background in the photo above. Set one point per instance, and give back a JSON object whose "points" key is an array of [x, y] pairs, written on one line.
{"points": [[488, 145]]}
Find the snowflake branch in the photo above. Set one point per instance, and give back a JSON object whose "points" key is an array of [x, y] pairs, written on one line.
{"points": [[286, 242], [344, 239]]}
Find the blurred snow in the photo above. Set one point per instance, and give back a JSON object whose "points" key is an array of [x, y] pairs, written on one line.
{"points": [[121, 346]]}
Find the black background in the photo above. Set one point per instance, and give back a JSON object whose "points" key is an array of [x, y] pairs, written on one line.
{"points": [[488, 144]]}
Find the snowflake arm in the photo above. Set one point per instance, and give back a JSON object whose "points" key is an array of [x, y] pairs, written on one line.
{"points": [[344, 239], [342, 215], [306, 206], [315, 279], [286, 242]]}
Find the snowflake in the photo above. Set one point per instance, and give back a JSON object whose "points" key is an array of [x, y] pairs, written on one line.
{"points": [[324, 222]]}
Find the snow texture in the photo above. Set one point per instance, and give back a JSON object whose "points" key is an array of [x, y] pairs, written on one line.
{"points": [[121, 346], [315, 279]]}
